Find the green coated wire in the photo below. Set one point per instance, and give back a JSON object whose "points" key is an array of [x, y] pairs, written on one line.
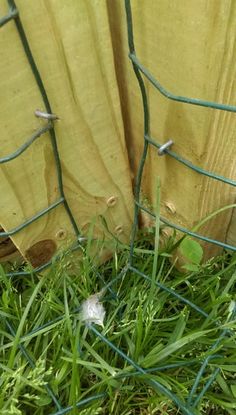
{"points": [[187, 232], [37, 270], [32, 364], [146, 132], [202, 368], [42, 90], [169, 95], [76, 310], [204, 364], [154, 383], [171, 291], [147, 139], [81, 403], [26, 145], [187, 408], [13, 12], [190, 165], [33, 219], [167, 367], [206, 387]]}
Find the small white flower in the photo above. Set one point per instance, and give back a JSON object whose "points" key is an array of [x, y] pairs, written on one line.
{"points": [[92, 311]]}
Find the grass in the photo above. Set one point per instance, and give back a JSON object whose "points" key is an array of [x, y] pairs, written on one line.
{"points": [[151, 345]]}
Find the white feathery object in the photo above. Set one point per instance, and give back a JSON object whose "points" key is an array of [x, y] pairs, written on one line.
{"points": [[92, 311]]}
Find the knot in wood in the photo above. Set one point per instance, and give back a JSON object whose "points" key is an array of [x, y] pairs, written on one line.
{"points": [[41, 252]]}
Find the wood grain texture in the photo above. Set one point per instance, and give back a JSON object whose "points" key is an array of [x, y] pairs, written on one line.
{"points": [[81, 51], [189, 46], [72, 48]]}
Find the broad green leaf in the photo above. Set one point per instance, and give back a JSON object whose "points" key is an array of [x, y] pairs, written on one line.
{"points": [[191, 250], [191, 267]]}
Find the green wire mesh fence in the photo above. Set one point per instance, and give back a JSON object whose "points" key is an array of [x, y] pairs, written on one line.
{"points": [[187, 407]]}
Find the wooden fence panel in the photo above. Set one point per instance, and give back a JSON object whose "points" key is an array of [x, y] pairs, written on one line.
{"points": [[81, 51], [72, 48], [189, 47]]}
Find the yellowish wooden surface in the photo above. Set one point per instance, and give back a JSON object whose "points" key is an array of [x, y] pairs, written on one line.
{"points": [[71, 45], [189, 46], [81, 52]]}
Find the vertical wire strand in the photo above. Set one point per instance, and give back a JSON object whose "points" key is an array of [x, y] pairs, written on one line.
{"points": [[146, 129], [42, 90]]}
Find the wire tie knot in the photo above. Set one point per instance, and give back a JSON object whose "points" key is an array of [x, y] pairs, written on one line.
{"points": [[164, 147]]}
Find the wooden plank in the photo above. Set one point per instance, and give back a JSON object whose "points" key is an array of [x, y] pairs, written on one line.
{"points": [[72, 48], [189, 46]]}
